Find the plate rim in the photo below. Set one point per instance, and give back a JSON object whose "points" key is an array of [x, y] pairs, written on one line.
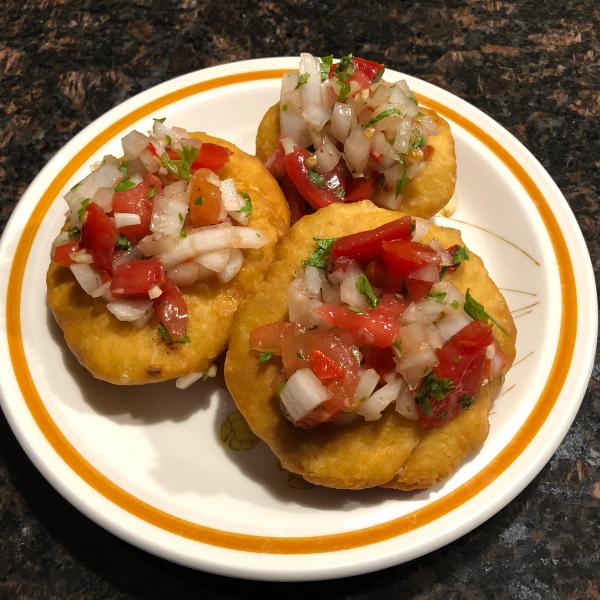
{"points": [[245, 66]]}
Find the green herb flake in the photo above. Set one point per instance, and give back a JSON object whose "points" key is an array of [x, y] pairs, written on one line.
{"points": [[340, 192], [82, 208], [400, 184], [316, 178], [123, 165], [181, 217], [183, 233], [476, 311], [455, 304], [124, 184], [75, 186], [357, 311], [284, 107], [300, 355], [398, 345], [345, 68], [180, 167], [434, 387], [325, 65], [465, 401], [388, 112], [73, 233], [459, 254], [265, 356], [161, 120], [199, 201], [151, 192], [123, 243], [279, 387], [418, 140], [302, 80], [364, 287], [319, 257], [166, 336], [379, 75], [344, 91], [437, 296], [247, 208], [188, 154]]}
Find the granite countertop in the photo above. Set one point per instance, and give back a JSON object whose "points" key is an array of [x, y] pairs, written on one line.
{"points": [[531, 66]]}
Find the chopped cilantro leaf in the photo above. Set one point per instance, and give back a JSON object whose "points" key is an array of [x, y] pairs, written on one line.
{"points": [[418, 140], [73, 233], [325, 65], [181, 217], [357, 311], [433, 387], [419, 114], [199, 201], [398, 345], [401, 183], [183, 233], [151, 192], [465, 401], [82, 208], [455, 304], [413, 99], [364, 287], [302, 80], [476, 311], [247, 208], [265, 356], [316, 178], [123, 167], [388, 112], [123, 243], [161, 120], [344, 91], [188, 154], [437, 296], [459, 254], [124, 184], [284, 107], [178, 167], [379, 75], [319, 257], [345, 68], [300, 354], [75, 186], [279, 387], [340, 192], [168, 138]]}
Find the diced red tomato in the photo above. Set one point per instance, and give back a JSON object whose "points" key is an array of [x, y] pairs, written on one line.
{"points": [[380, 359], [138, 201], [137, 278], [323, 367], [275, 163], [417, 289], [359, 188], [427, 151], [99, 236], [152, 150], [377, 327], [376, 273], [370, 68], [295, 201], [362, 79], [317, 196], [211, 156], [172, 154], [326, 411], [367, 245], [461, 360], [268, 338], [61, 253], [204, 199], [171, 309]]}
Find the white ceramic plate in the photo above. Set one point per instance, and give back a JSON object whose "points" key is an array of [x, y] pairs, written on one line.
{"points": [[148, 464]]}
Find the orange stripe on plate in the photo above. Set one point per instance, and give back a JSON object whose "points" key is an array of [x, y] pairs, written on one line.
{"points": [[283, 545]]}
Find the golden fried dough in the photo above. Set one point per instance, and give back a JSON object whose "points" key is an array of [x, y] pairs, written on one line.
{"points": [[392, 451], [118, 352], [425, 195]]}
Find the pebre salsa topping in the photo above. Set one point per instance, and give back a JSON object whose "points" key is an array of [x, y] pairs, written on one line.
{"points": [[142, 227], [372, 323], [347, 135]]}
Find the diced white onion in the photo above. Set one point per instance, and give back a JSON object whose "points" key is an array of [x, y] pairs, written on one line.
{"points": [[157, 244], [302, 393], [103, 290], [367, 382], [311, 90], [230, 199], [216, 237], [61, 238], [356, 150], [316, 115], [154, 292], [288, 144], [170, 209], [232, 267], [421, 228], [411, 337], [184, 274], [184, 382], [341, 118], [328, 156], [428, 125], [104, 198], [372, 408], [406, 405], [126, 219], [81, 257], [349, 294], [301, 305], [134, 143], [149, 161], [295, 127], [165, 134], [451, 324], [215, 260], [429, 273], [88, 278], [312, 280], [129, 309], [413, 365]]}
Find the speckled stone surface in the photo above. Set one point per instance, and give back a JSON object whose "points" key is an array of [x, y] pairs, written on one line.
{"points": [[533, 66]]}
